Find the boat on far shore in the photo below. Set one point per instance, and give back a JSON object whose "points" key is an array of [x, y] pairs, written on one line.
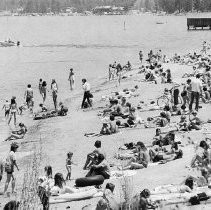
{"points": [[9, 43]]}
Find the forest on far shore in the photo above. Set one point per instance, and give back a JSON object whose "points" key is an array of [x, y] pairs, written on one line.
{"points": [[56, 6]]}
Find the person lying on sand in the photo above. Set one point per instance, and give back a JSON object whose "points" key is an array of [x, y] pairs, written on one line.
{"points": [[159, 153], [141, 160], [100, 168], [19, 134], [186, 187]]}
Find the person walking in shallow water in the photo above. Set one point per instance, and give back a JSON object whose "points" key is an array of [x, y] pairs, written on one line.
{"points": [[44, 91], [54, 88], [71, 79], [13, 110]]}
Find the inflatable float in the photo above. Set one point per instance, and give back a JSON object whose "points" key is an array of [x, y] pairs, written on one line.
{"points": [[81, 195], [89, 181]]}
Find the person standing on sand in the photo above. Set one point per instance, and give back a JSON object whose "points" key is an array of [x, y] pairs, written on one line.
{"points": [[6, 108], [9, 167], [1, 169], [29, 96], [13, 109], [141, 56], [40, 86], [44, 91], [196, 90], [71, 79], [54, 88], [86, 87]]}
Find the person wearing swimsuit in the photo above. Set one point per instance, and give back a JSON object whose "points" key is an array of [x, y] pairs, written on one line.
{"points": [[13, 110], [54, 88]]}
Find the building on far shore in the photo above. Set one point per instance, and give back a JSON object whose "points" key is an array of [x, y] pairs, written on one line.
{"points": [[109, 10]]}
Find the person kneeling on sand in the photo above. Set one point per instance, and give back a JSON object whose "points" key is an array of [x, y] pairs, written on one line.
{"points": [[141, 160], [92, 158], [62, 110], [100, 168], [183, 124], [18, 134]]}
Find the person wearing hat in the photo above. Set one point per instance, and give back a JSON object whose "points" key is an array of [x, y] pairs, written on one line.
{"points": [[71, 79], [10, 165], [19, 134]]}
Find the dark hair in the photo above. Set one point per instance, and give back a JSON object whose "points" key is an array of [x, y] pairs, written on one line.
{"points": [[141, 144], [44, 83], [198, 76], [112, 118], [188, 81], [48, 170], [128, 104], [157, 129], [14, 146], [97, 144], [83, 80], [118, 122], [145, 193], [204, 144], [110, 186], [101, 157], [28, 85], [204, 88], [12, 205], [189, 182], [69, 154], [166, 108], [40, 79], [59, 180], [175, 145]]}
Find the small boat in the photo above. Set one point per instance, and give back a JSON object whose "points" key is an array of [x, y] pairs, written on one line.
{"points": [[9, 44], [159, 23]]}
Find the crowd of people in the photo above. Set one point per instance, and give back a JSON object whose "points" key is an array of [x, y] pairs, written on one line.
{"points": [[119, 114]]}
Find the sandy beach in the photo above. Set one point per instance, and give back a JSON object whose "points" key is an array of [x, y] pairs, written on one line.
{"points": [[67, 134]]}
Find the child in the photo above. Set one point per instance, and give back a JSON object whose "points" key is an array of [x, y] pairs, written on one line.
{"points": [[183, 124], [69, 164], [6, 108]]}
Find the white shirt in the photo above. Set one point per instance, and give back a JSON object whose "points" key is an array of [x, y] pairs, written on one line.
{"points": [[86, 86], [196, 85]]}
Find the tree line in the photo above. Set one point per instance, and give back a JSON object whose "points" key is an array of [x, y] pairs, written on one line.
{"points": [[44, 6], [172, 6], [55, 6]]}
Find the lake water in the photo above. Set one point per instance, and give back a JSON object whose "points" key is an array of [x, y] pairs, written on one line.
{"points": [[51, 45]]}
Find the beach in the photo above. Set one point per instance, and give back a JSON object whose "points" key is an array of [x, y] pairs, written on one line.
{"points": [[89, 56]]}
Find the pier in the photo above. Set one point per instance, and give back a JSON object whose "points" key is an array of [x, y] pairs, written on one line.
{"points": [[199, 23]]}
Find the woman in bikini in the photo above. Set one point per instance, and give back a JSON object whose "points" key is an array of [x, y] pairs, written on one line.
{"points": [[13, 110]]}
